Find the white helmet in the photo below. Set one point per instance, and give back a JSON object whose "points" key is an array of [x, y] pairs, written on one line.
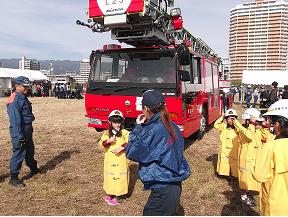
{"points": [[279, 108], [251, 112], [231, 112], [115, 113]]}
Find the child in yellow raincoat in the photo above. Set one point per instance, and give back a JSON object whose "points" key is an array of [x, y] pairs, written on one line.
{"points": [[228, 150], [116, 169], [271, 167], [250, 143]]}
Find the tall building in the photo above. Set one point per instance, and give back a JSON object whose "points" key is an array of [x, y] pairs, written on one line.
{"points": [[25, 63], [226, 69], [258, 36], [85, 68]]}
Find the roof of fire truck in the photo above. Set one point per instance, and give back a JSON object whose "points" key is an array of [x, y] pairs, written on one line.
{"points": [[143, 23]]}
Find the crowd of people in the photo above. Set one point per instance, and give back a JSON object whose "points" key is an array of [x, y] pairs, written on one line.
{"points": [[265, 96], [68, 91], [256, 153]]}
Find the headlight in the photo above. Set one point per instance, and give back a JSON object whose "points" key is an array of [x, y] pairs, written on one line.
{"points": [[95, 121], [181, 127]]}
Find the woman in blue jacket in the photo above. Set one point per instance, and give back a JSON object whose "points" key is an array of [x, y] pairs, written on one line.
{"points": [[158, 145]]}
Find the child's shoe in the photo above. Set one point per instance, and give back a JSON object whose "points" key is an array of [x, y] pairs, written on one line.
{"points": [[244, 197], [250, 202], [107, 198], [113, 202]]}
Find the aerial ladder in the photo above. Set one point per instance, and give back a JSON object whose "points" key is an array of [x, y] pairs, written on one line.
{"points": [[143, 23]]}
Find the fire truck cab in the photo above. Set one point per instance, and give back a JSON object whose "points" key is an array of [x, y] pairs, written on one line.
{"points": [[166, 57]]}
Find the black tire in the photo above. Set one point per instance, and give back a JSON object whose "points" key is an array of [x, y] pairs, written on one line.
{"points": [[203, 124], [99, 130]]}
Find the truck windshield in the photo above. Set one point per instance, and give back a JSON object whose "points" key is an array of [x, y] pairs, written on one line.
{"points": [[137, 67]]}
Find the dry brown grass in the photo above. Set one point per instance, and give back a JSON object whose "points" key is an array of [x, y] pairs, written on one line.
{"points": [[71, 164]]}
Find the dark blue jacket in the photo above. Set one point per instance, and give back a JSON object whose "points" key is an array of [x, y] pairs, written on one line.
{"points": [[20, 114], [161, 161]]}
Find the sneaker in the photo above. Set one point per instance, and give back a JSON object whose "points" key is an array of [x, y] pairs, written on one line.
{"points": [[108, 198], [34, 172], [17, 183], [113, 202], [250, 202], [244, 197]]}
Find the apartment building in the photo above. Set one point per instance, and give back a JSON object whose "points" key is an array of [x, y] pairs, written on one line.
{"points": [[258, 36], [28, 64]]}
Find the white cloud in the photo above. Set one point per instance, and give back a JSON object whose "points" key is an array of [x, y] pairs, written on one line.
{"points": [[47, 29]]}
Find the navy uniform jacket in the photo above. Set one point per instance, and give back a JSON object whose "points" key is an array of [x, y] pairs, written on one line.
{"points": [[20, 114], [161, 161]]}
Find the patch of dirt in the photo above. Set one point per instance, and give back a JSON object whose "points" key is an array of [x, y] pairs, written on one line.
{"points": [[71, 165]]}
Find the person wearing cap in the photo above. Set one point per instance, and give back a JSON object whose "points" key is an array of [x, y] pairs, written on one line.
{"points": [[271, 168], [116, 170], [158, 145], [20, 114], [228, 149]]}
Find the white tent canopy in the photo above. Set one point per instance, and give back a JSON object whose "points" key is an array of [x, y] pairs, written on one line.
{"points": [[33, 75], [265, 77]]}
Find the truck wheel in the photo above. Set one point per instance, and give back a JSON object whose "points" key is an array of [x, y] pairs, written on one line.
{"points": [[99, 130], [203, 125]]}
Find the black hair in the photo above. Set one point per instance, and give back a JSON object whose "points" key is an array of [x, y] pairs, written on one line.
{"points": [[275, 84], [246, 123], [116, 119], [283, 122]]}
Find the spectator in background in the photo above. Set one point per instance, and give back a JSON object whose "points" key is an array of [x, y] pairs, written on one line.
{"points": [[273, 95], [285, 92], [255, 96], [233, 90], [264, 95], [240, 94], [248, 97]]}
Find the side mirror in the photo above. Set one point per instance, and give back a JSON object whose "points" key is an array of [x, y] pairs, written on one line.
{"points": [[183, 55], [184, 75]]}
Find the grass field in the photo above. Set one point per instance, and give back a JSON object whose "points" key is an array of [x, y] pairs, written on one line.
{"points": [[71, 166]]}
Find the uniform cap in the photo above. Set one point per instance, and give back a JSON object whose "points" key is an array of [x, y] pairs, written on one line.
{"points": [[231, 112], [116, 113], [279, 108], [22, 80], [153, 99]]}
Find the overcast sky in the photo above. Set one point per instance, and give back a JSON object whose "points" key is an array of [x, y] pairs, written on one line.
{"points": [[42, 29]]}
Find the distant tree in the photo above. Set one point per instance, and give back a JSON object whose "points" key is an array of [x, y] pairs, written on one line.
{"points": [[236, 83]]}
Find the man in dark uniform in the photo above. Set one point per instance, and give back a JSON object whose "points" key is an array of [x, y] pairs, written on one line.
{"points": [[273, 95], [264, 95], [21, 117]]}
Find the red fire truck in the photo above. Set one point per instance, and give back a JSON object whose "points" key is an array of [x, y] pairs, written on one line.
{"points": [[164, 56]]}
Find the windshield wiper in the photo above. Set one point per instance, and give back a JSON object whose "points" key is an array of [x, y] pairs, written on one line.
{"points": [[125, 88], [100, 88]]}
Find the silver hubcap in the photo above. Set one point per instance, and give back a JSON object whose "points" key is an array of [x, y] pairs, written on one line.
{"points": [[202, 124]]}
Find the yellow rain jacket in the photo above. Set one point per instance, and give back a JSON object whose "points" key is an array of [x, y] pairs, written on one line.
{"points": [[266, 135], [116, 168], [228, 149], [271, 170], [250, 143]]}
